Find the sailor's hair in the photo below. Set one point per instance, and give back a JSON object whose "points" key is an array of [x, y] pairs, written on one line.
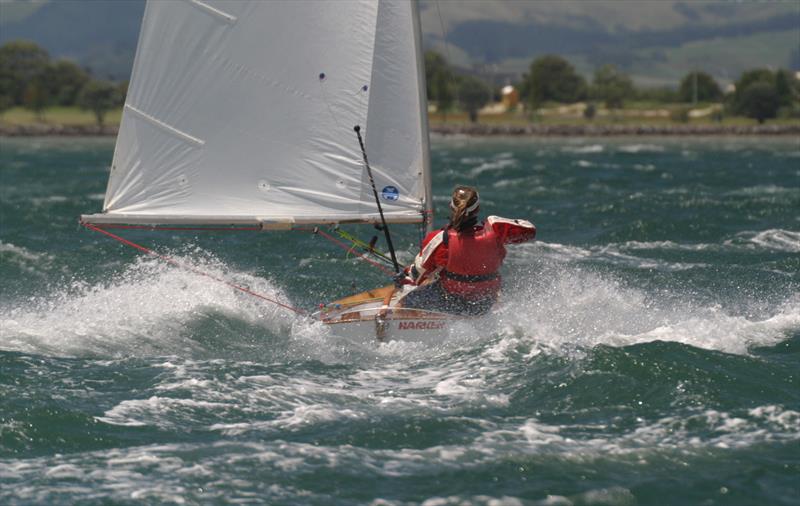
{"points": [[464, 203]]}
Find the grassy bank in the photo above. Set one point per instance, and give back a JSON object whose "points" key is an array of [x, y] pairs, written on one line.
{"points": [[65, 116], [559, 119]]}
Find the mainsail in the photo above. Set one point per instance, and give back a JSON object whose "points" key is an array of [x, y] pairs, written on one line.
{"points": [[242, 112]]}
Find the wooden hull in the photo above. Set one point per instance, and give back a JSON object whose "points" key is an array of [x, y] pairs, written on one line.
{"points": [[374, 315]]}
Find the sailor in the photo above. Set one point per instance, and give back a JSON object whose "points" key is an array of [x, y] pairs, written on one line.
{"points": [[457, 270]]}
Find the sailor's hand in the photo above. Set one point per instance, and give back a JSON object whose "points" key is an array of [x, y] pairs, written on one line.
{"points": [[402, 278]]}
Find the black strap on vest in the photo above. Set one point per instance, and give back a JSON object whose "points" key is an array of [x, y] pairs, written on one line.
{"points": [[464, 278]]}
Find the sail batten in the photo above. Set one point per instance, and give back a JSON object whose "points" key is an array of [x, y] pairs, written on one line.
{"points": [[242, 109], [170, 129]]}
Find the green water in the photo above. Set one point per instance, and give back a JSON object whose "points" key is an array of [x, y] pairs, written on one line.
{"points": [[646, 350]]}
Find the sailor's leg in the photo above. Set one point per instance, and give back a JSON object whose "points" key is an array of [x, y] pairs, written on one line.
{"points": [[429, 297]]}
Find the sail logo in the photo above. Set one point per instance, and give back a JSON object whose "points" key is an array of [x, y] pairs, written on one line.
{"points": [[420, 325], [390, 193]]}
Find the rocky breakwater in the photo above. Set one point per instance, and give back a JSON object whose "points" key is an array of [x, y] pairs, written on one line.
{"points": [[481, 129], [48, 129]]}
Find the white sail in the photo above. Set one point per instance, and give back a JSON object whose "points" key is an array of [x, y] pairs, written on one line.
{"points": [[242, 111]]}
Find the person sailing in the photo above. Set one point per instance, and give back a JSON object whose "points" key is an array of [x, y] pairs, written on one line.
{"points": [[457, 270]]}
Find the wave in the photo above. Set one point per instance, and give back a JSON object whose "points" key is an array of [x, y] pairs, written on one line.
{"points": [[615, 254], [777, 240], [641, 148], [498, 164], [752, 191], [592, 148], [153, 309], [25, 259], [572, 307], [773, 239], [158, 472], [147, 309]]}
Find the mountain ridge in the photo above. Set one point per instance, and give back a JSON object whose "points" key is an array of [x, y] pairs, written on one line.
{"points": [[655, 42]]}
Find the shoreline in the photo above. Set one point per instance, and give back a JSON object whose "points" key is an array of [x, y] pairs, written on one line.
{"points": [[484, 130], [473, 130]]}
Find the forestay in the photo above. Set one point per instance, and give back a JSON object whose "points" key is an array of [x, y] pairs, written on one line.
{"points": [[243, 112]]}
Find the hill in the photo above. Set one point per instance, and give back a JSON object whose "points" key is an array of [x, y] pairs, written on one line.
{"points": [[655, 42]]}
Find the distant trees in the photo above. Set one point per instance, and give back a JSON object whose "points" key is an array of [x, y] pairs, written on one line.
{"points": [[20, 62], [64, 80], [472, 95], [99, 97], [30, 79], [759, 101], [35, 97], [699, 87], [446, 88], [760, 93], [440, 79], [611, 86], [552, 78]]}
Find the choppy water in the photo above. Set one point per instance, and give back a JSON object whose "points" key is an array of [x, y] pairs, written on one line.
{"points": [[647, 349]]}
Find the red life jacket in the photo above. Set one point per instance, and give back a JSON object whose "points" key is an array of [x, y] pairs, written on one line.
{"points": [[474, 258]]}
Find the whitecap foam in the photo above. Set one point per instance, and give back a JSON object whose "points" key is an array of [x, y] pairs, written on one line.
{"points": [[572, 307], [759, 190], [24, 258], [50, 199], [773, 239], [616, 254], [641, 148], [496, 164], [592, 148], [144, 310]]}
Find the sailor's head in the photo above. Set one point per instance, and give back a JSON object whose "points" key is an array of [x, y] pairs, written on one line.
{"points": [[464, 206]]}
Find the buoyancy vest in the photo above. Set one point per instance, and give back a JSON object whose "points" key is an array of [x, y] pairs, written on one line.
{"points": [[473, 261]]}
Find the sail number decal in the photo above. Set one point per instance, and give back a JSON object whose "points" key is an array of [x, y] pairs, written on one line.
{"points": [[390, 193]]}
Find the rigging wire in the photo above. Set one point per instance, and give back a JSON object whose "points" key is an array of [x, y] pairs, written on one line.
{"points": [[172, 261], [339, 243], [444, 31], [447, 51], [189, 268]]}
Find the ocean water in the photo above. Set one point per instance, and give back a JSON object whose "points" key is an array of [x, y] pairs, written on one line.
{"points": [[646, 350]]}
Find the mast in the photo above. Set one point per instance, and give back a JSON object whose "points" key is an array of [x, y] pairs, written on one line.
{"points": [[423, 104]]}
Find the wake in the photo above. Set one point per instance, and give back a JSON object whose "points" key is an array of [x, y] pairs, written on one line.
{"points": [[154, 309], [151, 308]]}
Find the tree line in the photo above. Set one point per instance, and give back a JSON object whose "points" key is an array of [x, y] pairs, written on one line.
{"points": [[760, 94], [30, 79]]}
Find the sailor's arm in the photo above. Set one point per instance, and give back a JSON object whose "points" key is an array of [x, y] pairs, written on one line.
{"points": [[429, 261], [512, 231]]}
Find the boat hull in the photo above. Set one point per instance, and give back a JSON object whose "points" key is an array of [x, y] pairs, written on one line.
{"points": [[376, 315]]}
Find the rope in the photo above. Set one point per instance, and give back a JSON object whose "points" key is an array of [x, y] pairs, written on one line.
{"points": [[345, 247], [176, 263]]}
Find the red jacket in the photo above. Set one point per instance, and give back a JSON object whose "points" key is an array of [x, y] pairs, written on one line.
{"points": [[467, 262]]}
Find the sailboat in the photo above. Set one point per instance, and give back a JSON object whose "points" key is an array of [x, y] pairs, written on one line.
{"points": [[250, 113]]}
